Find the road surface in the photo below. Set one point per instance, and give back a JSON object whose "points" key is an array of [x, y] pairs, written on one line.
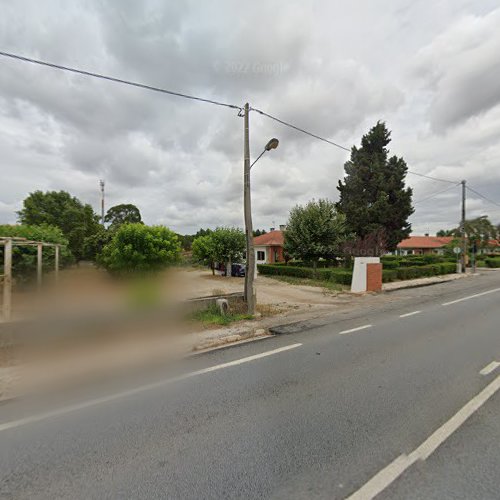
{"points": [[402, 401]]}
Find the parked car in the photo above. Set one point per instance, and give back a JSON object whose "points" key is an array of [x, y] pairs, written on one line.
{"points": [[238, 270]]}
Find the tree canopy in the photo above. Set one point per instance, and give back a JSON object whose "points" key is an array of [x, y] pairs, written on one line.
{"points": [[137, 249], [373, 195], [126, 213], [316, 230], [76, 220]]}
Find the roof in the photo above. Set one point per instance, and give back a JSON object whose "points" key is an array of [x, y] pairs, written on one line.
{"points": [[271, 238], [425, 242]]}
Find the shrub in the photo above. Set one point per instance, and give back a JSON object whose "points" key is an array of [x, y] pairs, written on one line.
{"points": [[389, 275], [136, 249], [493, 262], [24, 258]]}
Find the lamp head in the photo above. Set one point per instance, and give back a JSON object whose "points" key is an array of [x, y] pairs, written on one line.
{"points": [[272, 144]]}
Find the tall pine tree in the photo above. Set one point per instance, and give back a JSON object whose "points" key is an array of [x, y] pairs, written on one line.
{"points": [[373, 195]]}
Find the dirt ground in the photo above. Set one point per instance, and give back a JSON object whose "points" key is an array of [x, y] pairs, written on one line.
{"points": [[192, 283]]}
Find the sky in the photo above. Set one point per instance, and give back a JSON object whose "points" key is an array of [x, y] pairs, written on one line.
{"points": [[429, 69]]}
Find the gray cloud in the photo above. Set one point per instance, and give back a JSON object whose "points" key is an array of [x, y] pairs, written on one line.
{"points": [[333, 71]]}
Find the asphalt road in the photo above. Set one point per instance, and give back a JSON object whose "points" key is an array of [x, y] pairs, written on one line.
{"points": [[389, 402]]}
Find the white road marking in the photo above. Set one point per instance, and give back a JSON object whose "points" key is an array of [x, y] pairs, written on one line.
{"points": [[490, 368], [389, 474], [94, 402], [355, 329], [471, 297], [409, 314]]}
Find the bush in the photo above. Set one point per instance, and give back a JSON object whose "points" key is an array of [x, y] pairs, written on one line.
{"points": [[334, 274], [136, 249], [24, 258], [481, 263], [493, 262], [389, 275], [408, 273]]}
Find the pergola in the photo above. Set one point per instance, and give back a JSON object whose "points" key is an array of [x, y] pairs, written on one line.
{"points": [[8, 242]]}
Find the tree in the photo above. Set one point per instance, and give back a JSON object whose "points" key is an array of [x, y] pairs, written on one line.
{"points": [[58, 208], [373, 195], [204, 251], [228, 245], [139, 249], [125, 213], [259, 232], [445, 232], [314, 231]]}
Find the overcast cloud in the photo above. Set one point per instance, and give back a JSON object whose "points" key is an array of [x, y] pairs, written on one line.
{"points": [[430, 69]]}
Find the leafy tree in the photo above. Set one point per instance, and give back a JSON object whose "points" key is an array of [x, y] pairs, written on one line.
{"points": [[373, 195], [93, 244], [259, 232], [204, 251], [24, 258], [481, 230], [58, 208], [125, 213], [445, 232], [314, 231], [138, 249], [228, 244]]}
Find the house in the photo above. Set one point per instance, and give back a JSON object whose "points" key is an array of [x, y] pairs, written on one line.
{"points": [[269, 247], [423, 245]]}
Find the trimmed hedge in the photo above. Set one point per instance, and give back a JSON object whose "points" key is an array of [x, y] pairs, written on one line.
{"points": [[493, 262], [335, 274], [344, 276]]}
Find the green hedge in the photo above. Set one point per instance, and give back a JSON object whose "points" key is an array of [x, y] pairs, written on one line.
{"points": [[344, 276], [493, 262], [335, 274]]}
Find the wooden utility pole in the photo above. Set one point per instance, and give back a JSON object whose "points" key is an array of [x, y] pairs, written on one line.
{"points": [[250, 264], [462, 230], [7, 279]]}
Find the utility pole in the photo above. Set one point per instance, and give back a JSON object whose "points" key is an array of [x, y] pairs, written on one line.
{"points": [[462, 230], [247, 202], [101, 183]]}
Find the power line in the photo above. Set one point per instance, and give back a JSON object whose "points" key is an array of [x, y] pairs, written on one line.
{"points": [[482, 196], [336, 144], [437, 193], [432, 178], [300, 129], [117, 80]]}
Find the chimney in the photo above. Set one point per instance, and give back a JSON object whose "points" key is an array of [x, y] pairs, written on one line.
{"points": [[282, 227]]}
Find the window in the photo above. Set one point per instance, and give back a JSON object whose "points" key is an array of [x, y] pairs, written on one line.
{"points": [[261, 255]]}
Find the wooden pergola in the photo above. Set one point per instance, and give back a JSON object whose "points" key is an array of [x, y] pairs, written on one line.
{"points": [[8, 243]]}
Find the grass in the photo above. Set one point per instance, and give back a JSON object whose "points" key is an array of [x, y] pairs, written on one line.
{"points": [[213, 316], [292, 280]]}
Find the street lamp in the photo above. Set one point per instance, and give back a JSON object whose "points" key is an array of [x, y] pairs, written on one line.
{"points": [[250, 264], [272, 144]]}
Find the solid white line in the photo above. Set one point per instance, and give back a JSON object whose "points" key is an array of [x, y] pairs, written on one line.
{"points": [[355, 329], [409, 314], [136, 390], [471, 297], [490, 368], [389, 474]]}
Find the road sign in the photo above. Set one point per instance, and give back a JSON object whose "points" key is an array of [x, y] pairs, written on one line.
{"points": [[457, 250]]}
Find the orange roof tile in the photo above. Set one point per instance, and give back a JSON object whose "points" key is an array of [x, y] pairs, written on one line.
{"points": [[272, 238], [425, 242]]}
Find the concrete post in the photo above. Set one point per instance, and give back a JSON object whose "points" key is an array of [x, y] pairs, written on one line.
{"points": [[7, 280], [56, 268], [39, 249]]}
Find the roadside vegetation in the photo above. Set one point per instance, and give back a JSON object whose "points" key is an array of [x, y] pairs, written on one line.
{"points": [[213, 316]]}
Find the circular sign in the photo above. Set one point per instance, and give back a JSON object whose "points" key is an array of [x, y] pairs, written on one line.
{"points": [[457, 250]]}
